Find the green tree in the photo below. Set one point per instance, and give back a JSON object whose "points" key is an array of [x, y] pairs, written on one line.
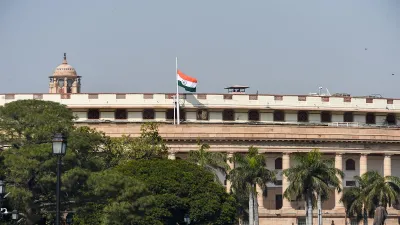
{"points": [[148, 146], [212, 161], [28, 165], [311, 176], [250, 170], [33, 122], [30, 172], [371, 190], [172, 188]]}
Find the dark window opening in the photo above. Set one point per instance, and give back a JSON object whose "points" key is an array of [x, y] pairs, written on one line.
{"points": [[202, 114], [254, 115], [350, 164], [326, 117], [391, 119], [228, 115], [93, 114], [350, 183], [278, 163], [370, 118], [149, 114], [302, 116], [348, 117], [279, 115], [121, 114], [170, 114], [278, 201]]}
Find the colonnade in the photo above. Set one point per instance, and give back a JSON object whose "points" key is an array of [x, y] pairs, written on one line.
{"points": [[363, 168]]}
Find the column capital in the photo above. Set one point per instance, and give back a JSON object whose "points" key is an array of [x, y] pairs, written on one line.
{"points": [[388, 155], [364, 154], [230, 154]]}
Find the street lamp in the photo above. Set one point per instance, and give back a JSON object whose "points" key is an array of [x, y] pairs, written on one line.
{"points": [[59, 149], [186, 219], [2, 188], [14, 215]]}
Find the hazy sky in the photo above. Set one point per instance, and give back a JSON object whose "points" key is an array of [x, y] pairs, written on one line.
{"points": [[285, 47]]}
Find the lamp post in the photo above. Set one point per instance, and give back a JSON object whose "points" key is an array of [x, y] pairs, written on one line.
{"points": [[2, 192], [59, 150], [14, 215], [186, 219]]}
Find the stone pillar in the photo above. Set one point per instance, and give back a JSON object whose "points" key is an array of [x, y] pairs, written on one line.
{"points": [[285, 182], [171, 156], [363, 163], [65, 85], [338, 196], [231, 166], [387, 165]]}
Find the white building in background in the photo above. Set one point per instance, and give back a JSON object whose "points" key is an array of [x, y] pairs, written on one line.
{"points": [[360, 133]]}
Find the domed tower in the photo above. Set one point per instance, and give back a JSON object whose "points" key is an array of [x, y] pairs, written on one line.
{"points": [[65, 79]]}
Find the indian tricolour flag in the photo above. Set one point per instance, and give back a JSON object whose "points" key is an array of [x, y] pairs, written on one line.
{"points": [[189, 83]]}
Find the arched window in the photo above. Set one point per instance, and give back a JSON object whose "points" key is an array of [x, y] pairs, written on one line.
{"points": [[350, 164], [302, 116], [278, 163]]}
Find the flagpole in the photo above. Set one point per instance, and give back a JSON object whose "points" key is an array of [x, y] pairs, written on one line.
{"points": [[174, 108], [178, 118]]}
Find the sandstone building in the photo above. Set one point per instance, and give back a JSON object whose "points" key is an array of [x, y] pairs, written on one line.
{"points": [[360, 133]]}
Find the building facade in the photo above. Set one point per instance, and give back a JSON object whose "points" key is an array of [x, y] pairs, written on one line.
{"points": [[360, 133]]}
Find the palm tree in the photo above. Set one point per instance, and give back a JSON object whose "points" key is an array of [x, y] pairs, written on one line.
{"points": [[209, 160], [372, 189], [250, 170], [312, 176]]}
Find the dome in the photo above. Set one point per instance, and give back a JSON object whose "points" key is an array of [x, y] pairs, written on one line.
{"points": [[64, 69]]}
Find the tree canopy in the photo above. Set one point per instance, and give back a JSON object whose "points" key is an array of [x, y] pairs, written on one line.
{"points": [[33, 121], [160, 191], [104, 180]]}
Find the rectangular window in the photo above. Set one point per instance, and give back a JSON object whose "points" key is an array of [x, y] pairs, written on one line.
{"points": [[278, 201], [279, 116], [93, 114], [148, 114], [228, 115], [120, 96], [121, 114], [202, 114], [301, 221], [350, 183]]}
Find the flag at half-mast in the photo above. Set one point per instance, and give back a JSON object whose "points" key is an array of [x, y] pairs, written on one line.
{"points": [[187, 82]]}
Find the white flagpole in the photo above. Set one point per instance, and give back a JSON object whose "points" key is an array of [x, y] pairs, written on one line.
{"points": [[178, 118], [174, 108]]}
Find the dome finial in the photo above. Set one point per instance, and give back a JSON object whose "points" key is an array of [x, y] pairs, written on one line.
{"points": [[65, 58]]}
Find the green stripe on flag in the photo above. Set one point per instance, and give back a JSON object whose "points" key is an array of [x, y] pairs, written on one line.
{"points": [[189, 89]]}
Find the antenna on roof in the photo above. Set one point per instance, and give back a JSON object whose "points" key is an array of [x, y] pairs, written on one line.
{"points": [[320, 93]]}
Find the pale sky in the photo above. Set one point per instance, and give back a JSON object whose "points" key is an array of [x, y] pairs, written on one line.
{"points": [[275, 47]]}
